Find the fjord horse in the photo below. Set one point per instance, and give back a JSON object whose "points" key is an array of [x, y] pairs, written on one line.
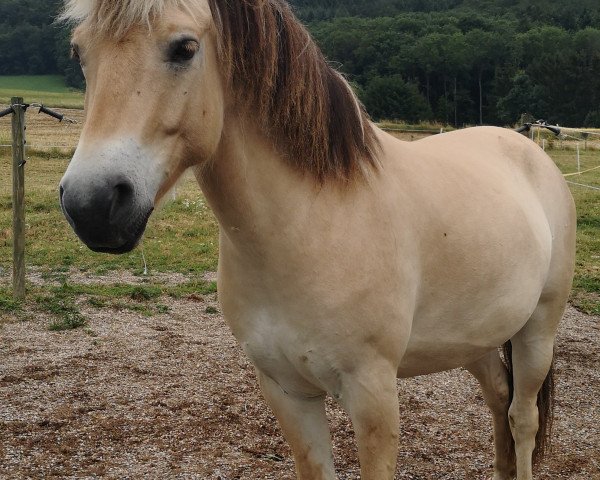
{"points": [[347, 258]]}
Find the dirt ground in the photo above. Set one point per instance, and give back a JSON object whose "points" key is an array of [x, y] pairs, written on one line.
{"points": [[173, 397]]}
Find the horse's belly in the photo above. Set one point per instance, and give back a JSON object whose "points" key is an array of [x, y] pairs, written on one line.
{"points": [[480, 289], [426, 358], [456, 340]]}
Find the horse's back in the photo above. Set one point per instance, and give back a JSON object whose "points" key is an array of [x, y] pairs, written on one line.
{"points": [[501, 166], [533, 179], [494, 149]]}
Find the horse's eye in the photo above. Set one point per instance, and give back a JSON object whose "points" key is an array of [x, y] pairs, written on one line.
{"points": [[183, 51]]}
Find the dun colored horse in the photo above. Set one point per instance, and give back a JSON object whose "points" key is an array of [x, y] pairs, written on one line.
{"points": [[347, 258]]}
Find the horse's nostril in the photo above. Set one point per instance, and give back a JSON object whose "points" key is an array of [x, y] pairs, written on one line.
{"points": [[62, 192], [122, 196], [124, 190]]}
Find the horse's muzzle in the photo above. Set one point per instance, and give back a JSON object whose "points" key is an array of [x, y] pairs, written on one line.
{"points": [[107, 214]]}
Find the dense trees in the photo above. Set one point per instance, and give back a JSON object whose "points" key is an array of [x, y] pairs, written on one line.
{"points": [[27, 38], [31, 43], [454, 61], [486, 66]]}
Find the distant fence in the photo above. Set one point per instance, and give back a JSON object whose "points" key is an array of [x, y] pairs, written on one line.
{"points": [[411, 130]]}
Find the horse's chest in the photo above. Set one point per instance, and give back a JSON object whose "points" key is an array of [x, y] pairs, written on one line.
{"points": [[281, 351]]}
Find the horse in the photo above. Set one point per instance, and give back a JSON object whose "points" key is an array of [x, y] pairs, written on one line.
{"points": [[347, 258]]}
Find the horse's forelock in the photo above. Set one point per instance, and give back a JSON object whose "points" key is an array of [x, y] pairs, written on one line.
{"points": [[114, 17]]}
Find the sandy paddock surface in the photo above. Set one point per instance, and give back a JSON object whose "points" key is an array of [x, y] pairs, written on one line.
{"points": [[173, 397]]}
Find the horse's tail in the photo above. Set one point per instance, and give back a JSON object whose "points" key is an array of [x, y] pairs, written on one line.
{"points": [[545, 404], [507, 351]]}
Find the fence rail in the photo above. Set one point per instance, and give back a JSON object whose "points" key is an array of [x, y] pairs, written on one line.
{"points": [[409, 130], [42, 147]]}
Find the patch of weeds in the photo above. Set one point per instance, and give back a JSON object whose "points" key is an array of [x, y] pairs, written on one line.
{"points": [[133, 307], [140, 272], [96, 302], [61, 305], [587, 283], [117, 290], [67, 260], [42, 207], [53, 153], [55, 276], [101, 270], [162, 309], [199, 287], [68, 321], [7, 303], [589, 221], [145, 293], [586, 303], [90, 332], [211, 310]]}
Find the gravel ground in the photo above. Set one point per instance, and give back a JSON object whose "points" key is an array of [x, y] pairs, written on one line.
{"points": [[173, 397]]}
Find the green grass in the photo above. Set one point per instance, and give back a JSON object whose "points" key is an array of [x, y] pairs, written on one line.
{"points": [[7, 303], [586, 286], [62, 307], [182, 237], [47, 89], [63, 303]]}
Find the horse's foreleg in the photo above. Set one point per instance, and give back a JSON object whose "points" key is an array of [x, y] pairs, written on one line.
{"points": [[370, 397], [492, 375], [305, 427]]}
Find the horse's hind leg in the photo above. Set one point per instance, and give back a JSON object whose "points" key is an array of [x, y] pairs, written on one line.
{"points": [[530, 414], [304, 424], [493, 378]]}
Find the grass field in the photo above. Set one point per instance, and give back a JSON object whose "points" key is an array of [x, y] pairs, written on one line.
{"points": [[47, 89], [182, 236], [182, 239], [586, 291]]}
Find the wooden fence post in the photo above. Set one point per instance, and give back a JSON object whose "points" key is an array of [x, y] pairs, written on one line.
{"points": [[18, 198]]}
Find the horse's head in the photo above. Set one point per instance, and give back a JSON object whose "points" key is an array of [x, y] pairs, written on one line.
{"points": [[154, 107], [161, 75]]}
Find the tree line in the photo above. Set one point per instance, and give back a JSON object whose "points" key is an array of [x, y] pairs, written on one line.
{"points": [[451, 61], [467, 69], [32, 43], [466, 61]]}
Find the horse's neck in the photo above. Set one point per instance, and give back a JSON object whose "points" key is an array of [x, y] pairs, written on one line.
{"points": [[251, 189]]}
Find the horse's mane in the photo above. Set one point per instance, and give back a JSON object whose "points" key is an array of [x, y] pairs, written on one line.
{"points": [[275, 68]]}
